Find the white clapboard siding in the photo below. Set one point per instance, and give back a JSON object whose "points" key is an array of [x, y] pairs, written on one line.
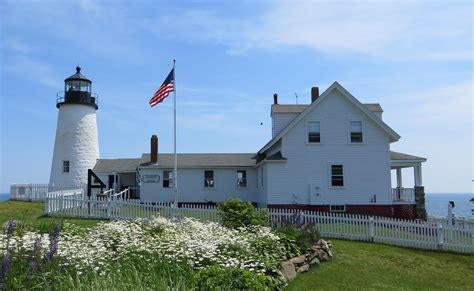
{"points": [[439, 235]]}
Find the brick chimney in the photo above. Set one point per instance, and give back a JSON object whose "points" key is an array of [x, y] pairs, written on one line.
{"points": [[314, 94], [275, 98], [154, 149]]}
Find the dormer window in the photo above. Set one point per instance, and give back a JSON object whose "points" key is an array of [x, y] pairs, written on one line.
{"points": [[356, 132], [314, 131]]}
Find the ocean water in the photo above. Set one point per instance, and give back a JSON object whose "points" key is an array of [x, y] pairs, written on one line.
{"points": [[436, 204]]}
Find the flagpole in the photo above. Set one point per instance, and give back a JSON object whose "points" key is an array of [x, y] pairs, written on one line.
{"points": [[175, 174]]}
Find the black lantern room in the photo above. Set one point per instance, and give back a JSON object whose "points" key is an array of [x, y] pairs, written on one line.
{"points": [[77, 90]]}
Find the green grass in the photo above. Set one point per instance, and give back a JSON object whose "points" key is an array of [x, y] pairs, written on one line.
{"points": [[356, 266], [366, 266], [32, 213]]}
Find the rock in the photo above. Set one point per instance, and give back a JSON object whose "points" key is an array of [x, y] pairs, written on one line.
{"points": [[310, 256], [288, 270], [303, 268], [298, 260], [314, 261], [324, 246], [330, 254], [316, 247], [322, 256]]}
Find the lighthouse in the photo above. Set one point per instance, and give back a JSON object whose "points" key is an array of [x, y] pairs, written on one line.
{"points": [[76, 147]]}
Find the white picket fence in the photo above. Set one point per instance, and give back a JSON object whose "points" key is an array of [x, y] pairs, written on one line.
{"points": [[408, 233], [37, 192]]}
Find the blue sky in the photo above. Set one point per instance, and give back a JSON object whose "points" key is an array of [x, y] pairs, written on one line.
{"points": [[415, 58]]}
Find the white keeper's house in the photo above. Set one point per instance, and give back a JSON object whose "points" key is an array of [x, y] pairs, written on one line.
{"points": [[330, 155]]}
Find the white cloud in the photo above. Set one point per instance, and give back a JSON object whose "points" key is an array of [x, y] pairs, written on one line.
{"points": [[102, 28], [34, 70], [17, 45], [397, 30]]}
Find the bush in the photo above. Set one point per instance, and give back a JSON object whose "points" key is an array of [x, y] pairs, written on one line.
{"points": [[304, 237], [236, 213], [220, 278]]}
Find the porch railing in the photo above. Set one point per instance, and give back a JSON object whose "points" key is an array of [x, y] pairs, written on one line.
{"points": [[403, 194], [35, 192]]}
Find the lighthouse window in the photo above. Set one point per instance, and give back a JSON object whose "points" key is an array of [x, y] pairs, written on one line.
{"points": [[65, 166]]}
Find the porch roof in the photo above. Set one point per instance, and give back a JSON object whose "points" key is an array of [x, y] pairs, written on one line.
{"points": [[116, 165], [401, 160]]}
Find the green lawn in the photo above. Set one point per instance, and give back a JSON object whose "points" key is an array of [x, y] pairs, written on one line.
{"points": [[32, 213], [356, 266], [366, 266]]}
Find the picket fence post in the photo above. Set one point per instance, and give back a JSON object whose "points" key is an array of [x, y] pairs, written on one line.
{"points": [[108, 207], [440, 236], [62, 199], [46, 206], [372, 229]]}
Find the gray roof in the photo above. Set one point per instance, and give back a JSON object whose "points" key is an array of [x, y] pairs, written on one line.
{"points": [[116, 165], [297, 108], [395, 156], [201, 160]]}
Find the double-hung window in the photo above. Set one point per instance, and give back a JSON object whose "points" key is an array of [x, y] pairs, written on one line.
{"points": [[314, 131], [65, 166], [337, 175], [356, 131], [242, 179], [167, 179], [208, 179]]}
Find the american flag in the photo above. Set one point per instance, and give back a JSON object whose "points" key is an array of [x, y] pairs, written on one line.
{"points": [[164, 90]]}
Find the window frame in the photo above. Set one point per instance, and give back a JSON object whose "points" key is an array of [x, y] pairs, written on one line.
{"points": [[211, 185], [361, 132], [331, 185], [337, 210], [244, 179], [169, 180], [66, 165], [307, 131]]}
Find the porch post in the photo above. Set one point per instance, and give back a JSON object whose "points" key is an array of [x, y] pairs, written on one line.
{"points": [[399, 178], [417, 175]]}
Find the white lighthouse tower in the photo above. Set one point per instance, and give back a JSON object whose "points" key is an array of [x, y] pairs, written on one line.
{"points": [[76, 148]]}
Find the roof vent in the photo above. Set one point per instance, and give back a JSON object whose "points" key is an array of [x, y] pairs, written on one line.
{"points": [[275, 98]]}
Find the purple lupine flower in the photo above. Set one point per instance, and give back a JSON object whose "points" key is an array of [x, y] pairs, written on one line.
{"points": [[6, 265], [32, 257], [53, 243], [10, 227]]}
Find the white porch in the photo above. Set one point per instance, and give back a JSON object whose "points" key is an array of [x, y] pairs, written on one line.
{"points": [[398, 162]]}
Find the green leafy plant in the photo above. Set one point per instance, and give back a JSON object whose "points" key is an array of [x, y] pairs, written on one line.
{"points": [[304, 237], [236, 213], [220, 278]]}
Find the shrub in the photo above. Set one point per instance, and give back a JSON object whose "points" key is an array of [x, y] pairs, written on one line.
{"points": [[236, 213], [304, 237], [220, 278]]}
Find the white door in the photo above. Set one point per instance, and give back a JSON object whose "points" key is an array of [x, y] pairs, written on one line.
{"points": [[314, 194]]}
